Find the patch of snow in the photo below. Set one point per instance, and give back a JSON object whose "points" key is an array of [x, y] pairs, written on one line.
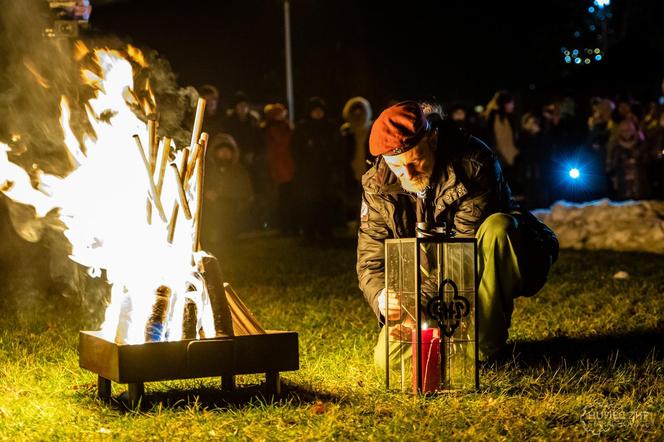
{"points": [[635, 226]]}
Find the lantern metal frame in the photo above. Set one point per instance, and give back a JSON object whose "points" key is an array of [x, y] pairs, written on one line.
{"points": [[416, 242]]}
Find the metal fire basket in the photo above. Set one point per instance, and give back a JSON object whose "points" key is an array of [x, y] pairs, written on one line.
{"points": [[269, 353]]}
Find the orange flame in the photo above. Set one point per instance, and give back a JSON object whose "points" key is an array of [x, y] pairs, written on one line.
{"points": [[136, 56], [80, 50], [103, 205], [30, 66]]}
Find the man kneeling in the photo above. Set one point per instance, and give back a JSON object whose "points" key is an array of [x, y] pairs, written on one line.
{"points": [[460, 185]]}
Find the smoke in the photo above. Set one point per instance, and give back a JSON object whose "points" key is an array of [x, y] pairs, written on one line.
{"points": [[35, 71]]}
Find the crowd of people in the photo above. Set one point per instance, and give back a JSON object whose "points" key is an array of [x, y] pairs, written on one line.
{"points": [[615, 151], [263, 173]]}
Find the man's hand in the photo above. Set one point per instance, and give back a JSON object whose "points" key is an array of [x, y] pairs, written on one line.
{"points": [[389, 305]]}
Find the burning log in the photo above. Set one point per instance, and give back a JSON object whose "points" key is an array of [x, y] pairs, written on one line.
{"points": [[200, 177], [185, 169], [152, 140], [152, 188], [154, 148], [123, 320], [154, 329], [198, 122], [174, 214], [191, 165], [165, 154], [214, 284], [189, 320], [182, 197]]}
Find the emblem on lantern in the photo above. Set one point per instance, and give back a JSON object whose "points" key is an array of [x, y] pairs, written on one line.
{"points": [[433, 345]]}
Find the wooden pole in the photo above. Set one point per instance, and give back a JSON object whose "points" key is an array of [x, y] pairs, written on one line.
{"points": [[153, 146], [165, 154], [182, 197], [184, 166], [200, 182], [198, 123], [151, 186], [174, 214], [289, 62]]}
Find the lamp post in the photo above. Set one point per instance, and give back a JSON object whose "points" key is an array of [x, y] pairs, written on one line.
{"points": [[289, 65]]}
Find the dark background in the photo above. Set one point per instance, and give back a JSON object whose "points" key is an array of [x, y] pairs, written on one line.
{"points": [[450, 50]]}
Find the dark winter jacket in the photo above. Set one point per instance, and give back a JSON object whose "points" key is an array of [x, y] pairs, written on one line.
{"points": [[316, 149]]}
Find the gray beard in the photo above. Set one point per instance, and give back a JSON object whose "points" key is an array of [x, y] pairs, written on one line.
{"points": [[417, 185]]}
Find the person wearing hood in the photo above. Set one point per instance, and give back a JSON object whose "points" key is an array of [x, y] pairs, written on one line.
{"points": [[228, 194], [355, 134], [318, 178]]}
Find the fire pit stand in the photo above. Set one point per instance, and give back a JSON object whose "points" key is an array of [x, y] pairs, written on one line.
{"points": [[269, 353]]}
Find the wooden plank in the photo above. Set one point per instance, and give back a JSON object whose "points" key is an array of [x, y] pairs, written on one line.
{"points": [[244, 322]]}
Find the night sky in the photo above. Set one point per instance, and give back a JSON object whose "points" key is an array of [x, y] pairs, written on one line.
{"points": [[448, 50]]}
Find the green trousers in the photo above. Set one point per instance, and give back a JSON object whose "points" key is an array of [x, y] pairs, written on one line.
{"points": [[501, 249]]}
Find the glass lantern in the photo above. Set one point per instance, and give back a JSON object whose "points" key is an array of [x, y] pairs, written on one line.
{"points": [[432, 346]]}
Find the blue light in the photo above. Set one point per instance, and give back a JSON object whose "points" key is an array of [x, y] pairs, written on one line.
{"points": [[602, 3], [577, 34], [568, 59], [575, 52], [577, 60], [574, 173], [598, 57], [591, 9]]}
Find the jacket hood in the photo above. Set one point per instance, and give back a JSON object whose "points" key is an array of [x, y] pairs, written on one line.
{"points": [[220, 140], [357, 101]]}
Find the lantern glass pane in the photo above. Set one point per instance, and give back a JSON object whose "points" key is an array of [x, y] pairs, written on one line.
{"points": [[444, 283], [401, 278], [460, 347]]}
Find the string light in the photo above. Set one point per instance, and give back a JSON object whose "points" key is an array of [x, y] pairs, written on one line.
{"points": [[598, 11]]}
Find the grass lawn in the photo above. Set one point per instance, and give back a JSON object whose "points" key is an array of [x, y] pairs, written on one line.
{"points": [[587, 361]]}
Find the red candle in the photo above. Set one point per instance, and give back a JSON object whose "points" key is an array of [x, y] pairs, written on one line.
{"points": [[430, 356]]}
